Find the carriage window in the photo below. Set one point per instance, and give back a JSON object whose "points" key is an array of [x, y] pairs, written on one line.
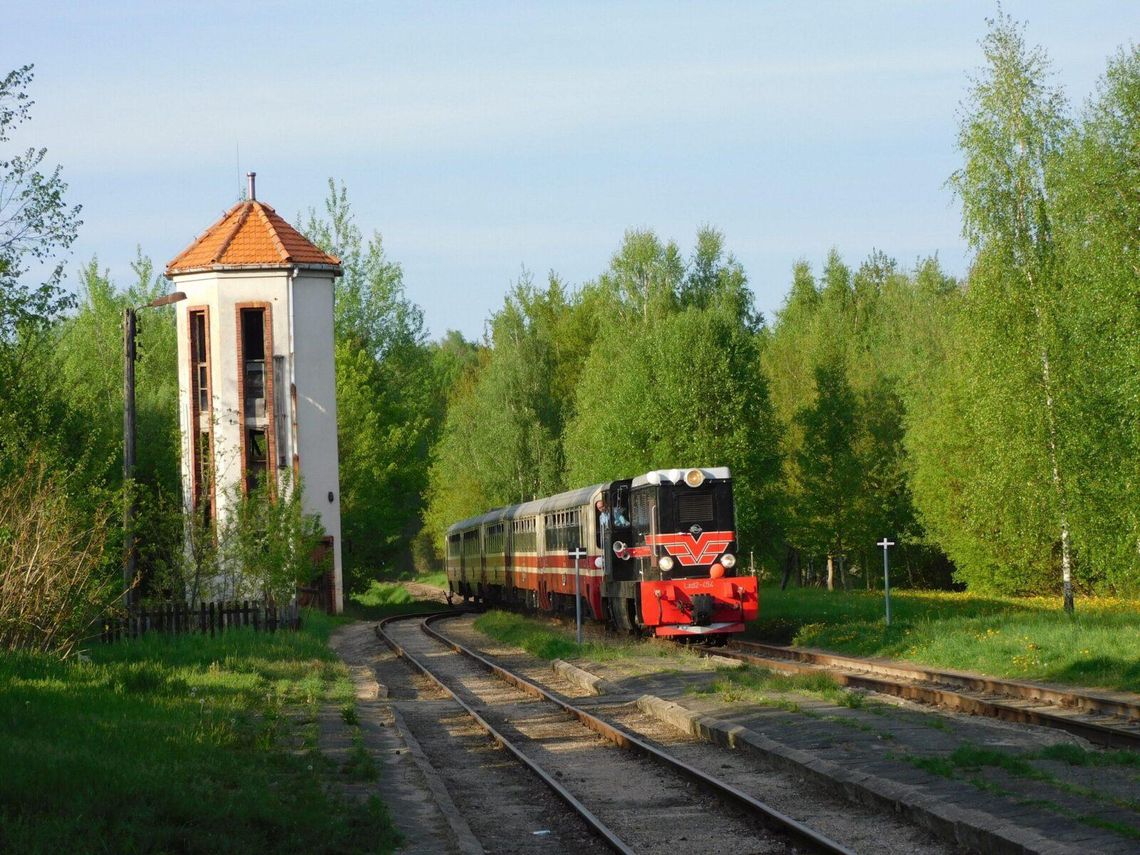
{"points": [[524, 535], [495, 540]]}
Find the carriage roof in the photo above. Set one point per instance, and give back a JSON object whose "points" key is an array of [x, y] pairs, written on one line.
{"points": [[575, 498], [550, 504]]}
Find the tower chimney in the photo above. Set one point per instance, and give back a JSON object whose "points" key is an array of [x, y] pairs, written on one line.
{"points": [[252, 178]]}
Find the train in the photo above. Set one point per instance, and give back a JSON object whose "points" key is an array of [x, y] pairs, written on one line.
{"points": [[656, 555]]}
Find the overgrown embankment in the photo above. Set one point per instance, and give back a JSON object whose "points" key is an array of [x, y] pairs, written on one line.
{"points": [[1028, 638]]}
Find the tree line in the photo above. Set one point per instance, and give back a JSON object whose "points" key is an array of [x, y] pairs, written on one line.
{"points": [[989, 425]]}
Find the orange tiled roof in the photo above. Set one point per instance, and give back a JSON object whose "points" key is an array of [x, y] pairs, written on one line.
{"points": [[250, 235]]}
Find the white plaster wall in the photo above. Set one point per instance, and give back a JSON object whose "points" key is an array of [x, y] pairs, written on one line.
{"points": [[309, 357], [315, 374]]}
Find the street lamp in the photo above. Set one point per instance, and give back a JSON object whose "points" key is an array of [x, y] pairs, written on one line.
{"points": [[130, 560]]}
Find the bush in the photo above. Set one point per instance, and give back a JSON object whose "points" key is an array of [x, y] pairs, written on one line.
{"points": [[53, 586]]}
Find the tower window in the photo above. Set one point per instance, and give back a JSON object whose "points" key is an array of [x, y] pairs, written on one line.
{"points": [[199, 369], [256, 385], [257, 458], [253, 358], [203, 498], [201, 427]]}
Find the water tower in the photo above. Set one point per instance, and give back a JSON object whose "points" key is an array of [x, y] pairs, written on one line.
{"points": [[256, 377]]}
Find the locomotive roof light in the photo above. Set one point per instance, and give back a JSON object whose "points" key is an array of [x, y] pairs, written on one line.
{"points": [[665, 562], [694, 477], [728, 560]]}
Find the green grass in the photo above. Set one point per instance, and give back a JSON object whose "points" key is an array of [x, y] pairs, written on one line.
{"points": [[539, 638], [438, 578], [182, 743], [766, 688], [383, 594], [1075, 755], [1030, 638], [385, 599], [392, 574], [970, 761]]}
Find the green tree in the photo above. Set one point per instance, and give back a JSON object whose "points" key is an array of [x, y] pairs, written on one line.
{"points": [[829, 516], [35, 225], [645, 277], [386, 394], [1010, 132], [674, 379], [87, 364], [1096, 220], [862, 333], [503, 437]]}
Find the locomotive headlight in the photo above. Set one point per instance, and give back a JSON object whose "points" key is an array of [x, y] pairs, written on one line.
{"points": [[694, 477], [665, 562], [728, 560]]}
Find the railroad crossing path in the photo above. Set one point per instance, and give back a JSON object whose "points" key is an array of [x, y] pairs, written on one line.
{"points": [[416, 798]]}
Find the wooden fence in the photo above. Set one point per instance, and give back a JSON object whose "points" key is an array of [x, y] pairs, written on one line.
{"points": [[171, 618]]}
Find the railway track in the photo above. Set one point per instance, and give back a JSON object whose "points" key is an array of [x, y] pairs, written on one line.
{"points": [[1108, 719], [638, 799]]}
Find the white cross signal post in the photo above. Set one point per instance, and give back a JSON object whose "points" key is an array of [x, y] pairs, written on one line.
{"points": [[886, 544], [578, 553]]}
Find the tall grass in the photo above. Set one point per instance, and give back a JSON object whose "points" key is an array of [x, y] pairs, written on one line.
{"points": [[52, 584], [185, 743]]}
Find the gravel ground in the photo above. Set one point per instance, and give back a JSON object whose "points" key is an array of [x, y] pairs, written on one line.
{"points": [[502, 803], [1077, 808], [858, 827]]}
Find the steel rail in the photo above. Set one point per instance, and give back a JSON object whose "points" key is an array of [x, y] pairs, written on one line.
{"points": [[596, 825], [771, 817], [814, 662]]}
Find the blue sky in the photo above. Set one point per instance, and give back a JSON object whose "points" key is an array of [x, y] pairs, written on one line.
{"points": [[479, 138]]}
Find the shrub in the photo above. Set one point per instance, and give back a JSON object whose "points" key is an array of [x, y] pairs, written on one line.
{"points": [[53, 586]]}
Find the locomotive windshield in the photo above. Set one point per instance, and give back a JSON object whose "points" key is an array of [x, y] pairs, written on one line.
{"points": [[679, 508], [708, 508], [643, 506]]}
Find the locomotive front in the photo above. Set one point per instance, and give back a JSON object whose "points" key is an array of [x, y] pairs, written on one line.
{"points": [[682, 540]]}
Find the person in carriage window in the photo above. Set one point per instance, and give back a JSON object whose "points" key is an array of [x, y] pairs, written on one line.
{"points": [[603, 513]]}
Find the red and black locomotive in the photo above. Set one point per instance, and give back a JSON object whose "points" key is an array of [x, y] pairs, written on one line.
{"points": [[658, 554]]}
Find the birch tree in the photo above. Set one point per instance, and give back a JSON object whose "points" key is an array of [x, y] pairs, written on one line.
{"points": [[1097, 186], [1011, 129]]}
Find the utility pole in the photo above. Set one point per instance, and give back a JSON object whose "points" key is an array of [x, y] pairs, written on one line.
{"points": [[130, 539]]}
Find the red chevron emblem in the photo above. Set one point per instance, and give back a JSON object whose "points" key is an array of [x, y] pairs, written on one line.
{"points": [[691, 550]]}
